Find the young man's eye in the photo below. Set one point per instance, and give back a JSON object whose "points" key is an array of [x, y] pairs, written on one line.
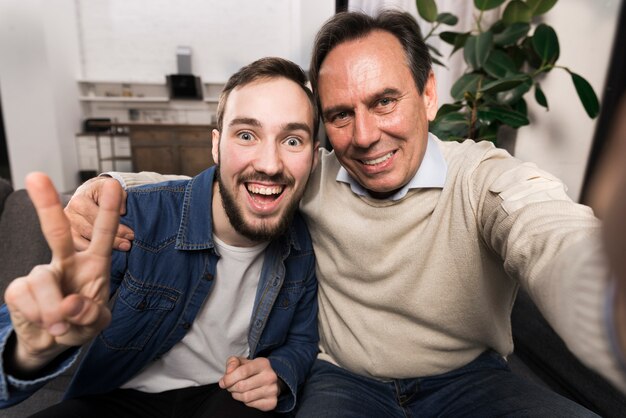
{"points": [[246, 136], [293, 142]]}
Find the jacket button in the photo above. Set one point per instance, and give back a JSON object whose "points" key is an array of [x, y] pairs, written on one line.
{"points": [[275, 282], [258, 323], [142, 305], [186, 325], [208, 277]]}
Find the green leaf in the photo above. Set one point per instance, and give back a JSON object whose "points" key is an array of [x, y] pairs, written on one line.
{"points": [[436, 61], [504, 84], [546, 44], [516, 53], [586, 94], [456, 39], [511, 34], [539, 7], [427, 9], [530, 54], [507, 116], [467, 82], [516, 11], [477, 49], [450, 127], [499, 64], [434, 50], [447, 19], [487, 4], [540, 97], [511, 97], [448, 108], [521, 107], [488, 132]]}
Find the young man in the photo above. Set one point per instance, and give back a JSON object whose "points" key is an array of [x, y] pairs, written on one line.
{"points": [[421, 246], [215, 306]]}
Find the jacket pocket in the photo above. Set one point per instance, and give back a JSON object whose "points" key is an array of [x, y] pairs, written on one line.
{"points": [[138, 311], [281, 316]]}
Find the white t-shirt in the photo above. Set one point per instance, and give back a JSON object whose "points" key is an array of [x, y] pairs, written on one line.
{"points": [[219, 331]]}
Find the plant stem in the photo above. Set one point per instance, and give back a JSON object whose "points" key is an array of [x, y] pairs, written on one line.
{"points": [[474, 113], [434, 27], [478, 20]]}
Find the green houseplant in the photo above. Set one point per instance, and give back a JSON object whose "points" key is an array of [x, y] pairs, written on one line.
{"points": [[505, 61]]}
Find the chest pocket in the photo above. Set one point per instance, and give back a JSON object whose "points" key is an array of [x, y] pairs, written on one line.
{"points": [[138, 311]]}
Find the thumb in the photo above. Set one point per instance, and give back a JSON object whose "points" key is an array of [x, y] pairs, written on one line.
{"points": [[231, 364]]}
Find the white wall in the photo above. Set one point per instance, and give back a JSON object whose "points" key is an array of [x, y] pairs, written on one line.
{"points": [[137, 39], [47, 45], [38, 63], [560, 140]]}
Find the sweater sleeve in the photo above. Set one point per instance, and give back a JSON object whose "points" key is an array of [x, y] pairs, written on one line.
{"points": [[553, 247], [128, 180]]}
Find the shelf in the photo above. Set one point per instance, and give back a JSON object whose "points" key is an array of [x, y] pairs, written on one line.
{"points": [[211, 99], [124, 99], [138, 83]]}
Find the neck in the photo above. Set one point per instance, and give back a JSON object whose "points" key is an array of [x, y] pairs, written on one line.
{"points": [[222, 228]]}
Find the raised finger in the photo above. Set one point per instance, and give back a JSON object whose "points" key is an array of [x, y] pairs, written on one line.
{"points": [[44, 284], [54, 224], [107, 220], [21, 302]]}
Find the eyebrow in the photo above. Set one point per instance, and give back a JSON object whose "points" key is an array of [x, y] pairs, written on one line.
{"points": [[245, 121], [290, 126]]}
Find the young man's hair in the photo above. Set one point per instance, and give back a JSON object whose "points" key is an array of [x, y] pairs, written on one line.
{"points": [[267, 68], [348, 26]]}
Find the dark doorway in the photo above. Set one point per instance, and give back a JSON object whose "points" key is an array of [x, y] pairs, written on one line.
{"points": [[5, 169], [614, 89]]}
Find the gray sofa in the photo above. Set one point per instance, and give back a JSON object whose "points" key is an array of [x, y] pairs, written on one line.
{"points": [[540, 354]]}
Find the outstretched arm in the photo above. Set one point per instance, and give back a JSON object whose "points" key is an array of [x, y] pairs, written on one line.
{"points": [[64, 303]]}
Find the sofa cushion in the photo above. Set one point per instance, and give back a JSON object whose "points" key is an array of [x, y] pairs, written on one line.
{"points": [[22, 245], [545, 353], [5, 191]]}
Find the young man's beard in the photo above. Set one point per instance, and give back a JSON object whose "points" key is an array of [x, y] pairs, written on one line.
{"points": [[264, 232]]}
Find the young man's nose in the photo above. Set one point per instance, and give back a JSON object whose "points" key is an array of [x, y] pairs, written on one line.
{"points": [[268, 159]]}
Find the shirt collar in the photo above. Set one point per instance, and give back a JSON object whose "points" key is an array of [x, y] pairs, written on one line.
{"points": [[431, 173]]}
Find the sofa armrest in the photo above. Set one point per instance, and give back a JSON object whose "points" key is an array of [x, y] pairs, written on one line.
{"points": [[545, 353]]}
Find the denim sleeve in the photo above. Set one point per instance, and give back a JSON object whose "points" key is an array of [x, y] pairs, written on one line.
{"points": [[293, 360], [14, 390]]}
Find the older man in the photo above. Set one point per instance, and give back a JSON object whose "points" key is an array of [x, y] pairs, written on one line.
{"points": [[421, 246]]}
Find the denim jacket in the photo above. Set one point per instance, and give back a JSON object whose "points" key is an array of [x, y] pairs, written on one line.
{"points": [[158, 287]]}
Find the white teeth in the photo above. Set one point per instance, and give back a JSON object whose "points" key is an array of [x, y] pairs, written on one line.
{"points": [[265, 190], [378, 160]]}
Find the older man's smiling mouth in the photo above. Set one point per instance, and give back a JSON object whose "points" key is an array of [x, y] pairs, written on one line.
{"points": [[379, 159]]}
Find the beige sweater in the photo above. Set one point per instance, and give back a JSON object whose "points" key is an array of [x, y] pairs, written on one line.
{"points": [[423, 285], [418, 286]]}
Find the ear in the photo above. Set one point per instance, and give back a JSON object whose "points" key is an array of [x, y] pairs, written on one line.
{"points": [[215, 142], [429, 96], [316, 155]]}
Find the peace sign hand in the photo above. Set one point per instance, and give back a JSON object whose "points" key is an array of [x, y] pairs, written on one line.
{"points": [[64, 303]]}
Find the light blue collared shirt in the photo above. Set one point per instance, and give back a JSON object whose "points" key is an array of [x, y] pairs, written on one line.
{"points": [[431, 173]]}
